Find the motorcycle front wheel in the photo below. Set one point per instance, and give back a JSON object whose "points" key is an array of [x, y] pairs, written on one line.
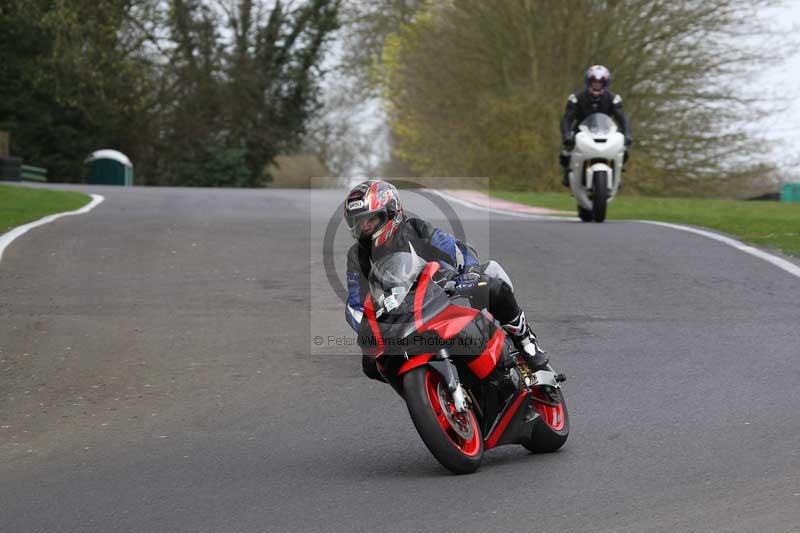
{"points": [[600, 196], [453, 438]]}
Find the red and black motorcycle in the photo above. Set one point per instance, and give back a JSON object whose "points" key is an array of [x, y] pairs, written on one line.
{"points": [[466, 387]]}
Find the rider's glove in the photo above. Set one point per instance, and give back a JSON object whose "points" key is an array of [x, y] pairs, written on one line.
{"points": [[628, 142], [468, 279], [569, 143]]}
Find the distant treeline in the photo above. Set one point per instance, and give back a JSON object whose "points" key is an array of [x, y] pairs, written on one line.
{"points": [[194, 92], [476, 88], [209, 92]]}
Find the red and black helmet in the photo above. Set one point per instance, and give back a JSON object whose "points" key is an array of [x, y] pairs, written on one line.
{"points": [[373, 210]]}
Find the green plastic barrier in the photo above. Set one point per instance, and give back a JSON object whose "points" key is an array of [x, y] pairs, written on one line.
{"points": [[790, 192]]}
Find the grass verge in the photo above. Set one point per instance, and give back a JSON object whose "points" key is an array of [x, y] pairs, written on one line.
{"points": [[20, 205], [772, 225]]}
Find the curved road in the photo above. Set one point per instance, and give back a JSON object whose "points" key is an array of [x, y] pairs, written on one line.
{"points": [[158, 372]]}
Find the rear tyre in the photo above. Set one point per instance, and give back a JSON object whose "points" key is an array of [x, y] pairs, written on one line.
{"points": [[551, 429], [586, 215], [453, 438], [600, 196]]}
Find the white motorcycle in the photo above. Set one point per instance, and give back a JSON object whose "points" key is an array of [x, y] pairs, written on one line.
{"points": [[596, 166]]}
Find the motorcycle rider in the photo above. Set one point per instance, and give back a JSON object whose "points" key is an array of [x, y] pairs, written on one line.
{"points": [[376, 220], [595, 98]]}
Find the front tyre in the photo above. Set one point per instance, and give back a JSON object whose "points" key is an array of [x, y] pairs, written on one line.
{"points": [[453, 438], [551, 429], [600, 196]]}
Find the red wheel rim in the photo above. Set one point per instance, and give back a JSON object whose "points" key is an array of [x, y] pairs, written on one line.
{"points": [[553, 415], [453, 423]]}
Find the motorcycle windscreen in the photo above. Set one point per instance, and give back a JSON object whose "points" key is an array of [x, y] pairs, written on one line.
{"points": [[403, 328], [391, 278], [598, 125], [392, 290]]}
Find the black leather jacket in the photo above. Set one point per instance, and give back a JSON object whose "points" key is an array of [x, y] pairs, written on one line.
{"points": [[581, 105]]}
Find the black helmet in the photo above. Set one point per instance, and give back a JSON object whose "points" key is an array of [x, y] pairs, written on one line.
{"points": [[373, 210]]}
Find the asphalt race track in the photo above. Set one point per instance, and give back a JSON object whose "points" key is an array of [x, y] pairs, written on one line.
{"points": [[159, 372]]}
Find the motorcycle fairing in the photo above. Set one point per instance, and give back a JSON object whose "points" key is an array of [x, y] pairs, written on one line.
{"points": [[414, 362], [370, 345], [431, 317], [487, 360], [428, 322], [515, 424]]}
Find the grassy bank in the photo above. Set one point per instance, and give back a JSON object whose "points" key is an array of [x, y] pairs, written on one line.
{"points": [[19, 205], [769, 224]]}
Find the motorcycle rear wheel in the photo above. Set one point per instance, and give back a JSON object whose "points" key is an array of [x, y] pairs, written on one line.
{"points": [[551, 429], [453, 438]]}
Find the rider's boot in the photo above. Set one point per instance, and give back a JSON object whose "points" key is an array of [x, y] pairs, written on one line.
{"points": [[563, 159], [565, 178], [525, 341]]}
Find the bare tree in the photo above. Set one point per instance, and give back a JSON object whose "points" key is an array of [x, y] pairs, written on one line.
{"points": [[351, 134]]}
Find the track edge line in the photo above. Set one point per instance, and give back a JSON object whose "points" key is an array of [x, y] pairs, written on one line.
{"points": [[7, 238]]}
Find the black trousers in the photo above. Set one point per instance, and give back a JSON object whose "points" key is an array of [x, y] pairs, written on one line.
{"points": [[498, 298]]}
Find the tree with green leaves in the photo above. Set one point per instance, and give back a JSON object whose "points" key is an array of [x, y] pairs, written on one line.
{"points": [[245, 85], [196, 92], [69, 80], [477, 88]]}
